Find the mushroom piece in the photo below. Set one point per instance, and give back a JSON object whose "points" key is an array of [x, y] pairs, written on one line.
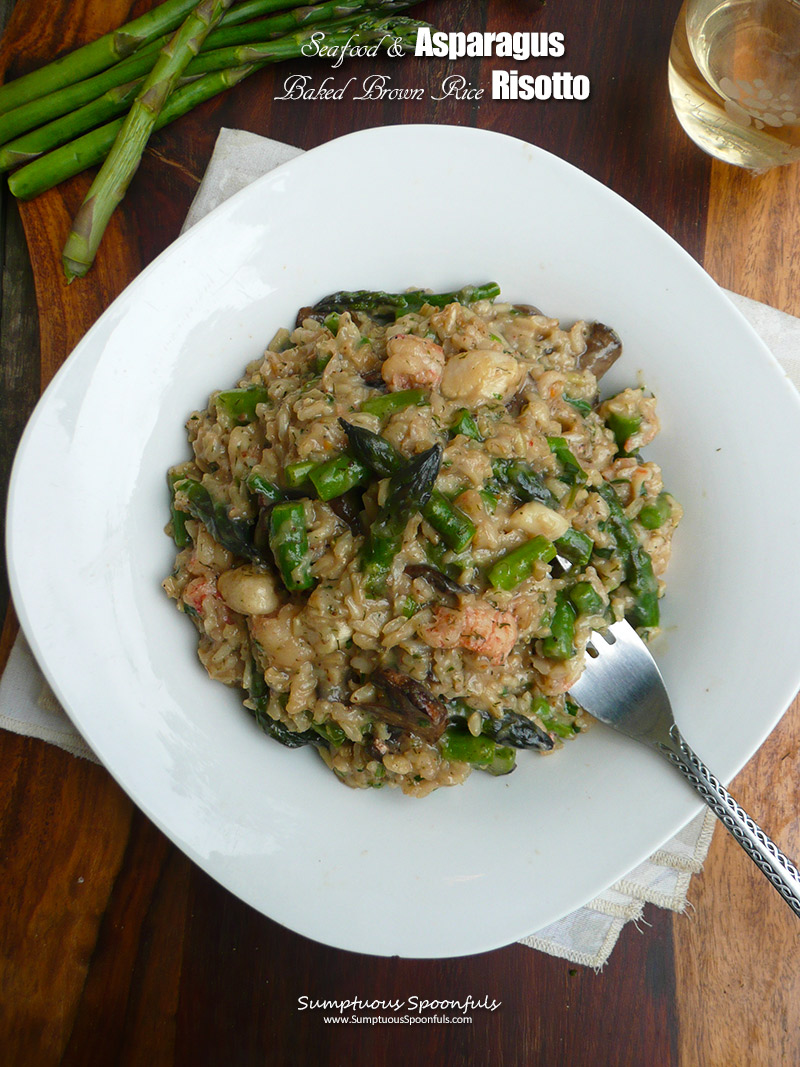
{"points": [[347, 508], [308, 313], [439, 581], [410, 705], [603, 348]]}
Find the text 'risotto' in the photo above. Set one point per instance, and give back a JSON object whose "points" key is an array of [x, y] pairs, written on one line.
{"points": [[397, 532]]}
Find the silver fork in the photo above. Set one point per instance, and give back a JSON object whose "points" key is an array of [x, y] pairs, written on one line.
{"points": [[622, 686]]}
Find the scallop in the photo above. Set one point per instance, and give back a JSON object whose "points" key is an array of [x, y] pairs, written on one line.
{"points": [[249, 591], [537, 520], [484, 374]]}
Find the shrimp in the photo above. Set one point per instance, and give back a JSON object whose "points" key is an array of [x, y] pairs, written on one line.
{"points": [[478, 627], [412, 362], [197, 591], [551, 384]]}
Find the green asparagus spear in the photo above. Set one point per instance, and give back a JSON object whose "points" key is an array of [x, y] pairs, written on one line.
{"points": [[504, 762], [390, 306], [585, 599], [257, 483], [375, 452], [409, 490], [489, 500], [296, 474], [654, 515], [623, 426], [180, 535], [389, 403], [289, 543], [460, 745], [109, 187], [518, 564], [522, 481], [575, 546], [480, 752], [62, 129], [337, 476], [639, 576], [454, 527], [372, 450], [330, 11], [510, 728], [560, 643], [235, 534], [65, 102], [86, 151], [240, 404], [257, 51]]}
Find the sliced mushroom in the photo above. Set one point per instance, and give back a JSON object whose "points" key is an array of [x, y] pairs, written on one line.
{"points": [[603, 348], [308, 313], [347, 507], [409, 705]]}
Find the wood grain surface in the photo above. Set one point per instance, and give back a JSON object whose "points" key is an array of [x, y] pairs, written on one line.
{"points": [[114, 947]]}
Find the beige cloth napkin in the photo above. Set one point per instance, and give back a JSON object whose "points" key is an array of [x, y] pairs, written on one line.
{"points": [[588, 935]]}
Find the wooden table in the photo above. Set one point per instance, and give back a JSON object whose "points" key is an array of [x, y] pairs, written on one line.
{"points": [[114, 947]]}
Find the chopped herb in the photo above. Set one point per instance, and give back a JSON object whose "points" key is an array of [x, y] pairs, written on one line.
{"points": [[489, 500], [582, 406], [409, 607]]}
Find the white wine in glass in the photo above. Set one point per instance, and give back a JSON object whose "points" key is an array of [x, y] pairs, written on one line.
{"points": [[734, 79]]}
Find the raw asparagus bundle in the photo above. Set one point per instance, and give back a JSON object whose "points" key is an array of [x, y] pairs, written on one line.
{"points": [[54, 122], [95, 56], [63, 162], [217, 53], [147, 33], [110, 185]]}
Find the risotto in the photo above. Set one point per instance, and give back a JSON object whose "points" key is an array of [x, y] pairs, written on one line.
{"points": [[398, 530]]}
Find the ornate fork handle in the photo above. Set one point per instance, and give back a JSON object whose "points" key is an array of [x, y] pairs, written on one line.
{"points": [[781, 872]]}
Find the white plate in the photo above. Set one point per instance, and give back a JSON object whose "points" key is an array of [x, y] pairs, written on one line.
{"points": [[471, 868]]}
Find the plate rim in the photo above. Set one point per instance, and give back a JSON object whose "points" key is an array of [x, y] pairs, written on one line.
{"points": [[129, 294]]}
